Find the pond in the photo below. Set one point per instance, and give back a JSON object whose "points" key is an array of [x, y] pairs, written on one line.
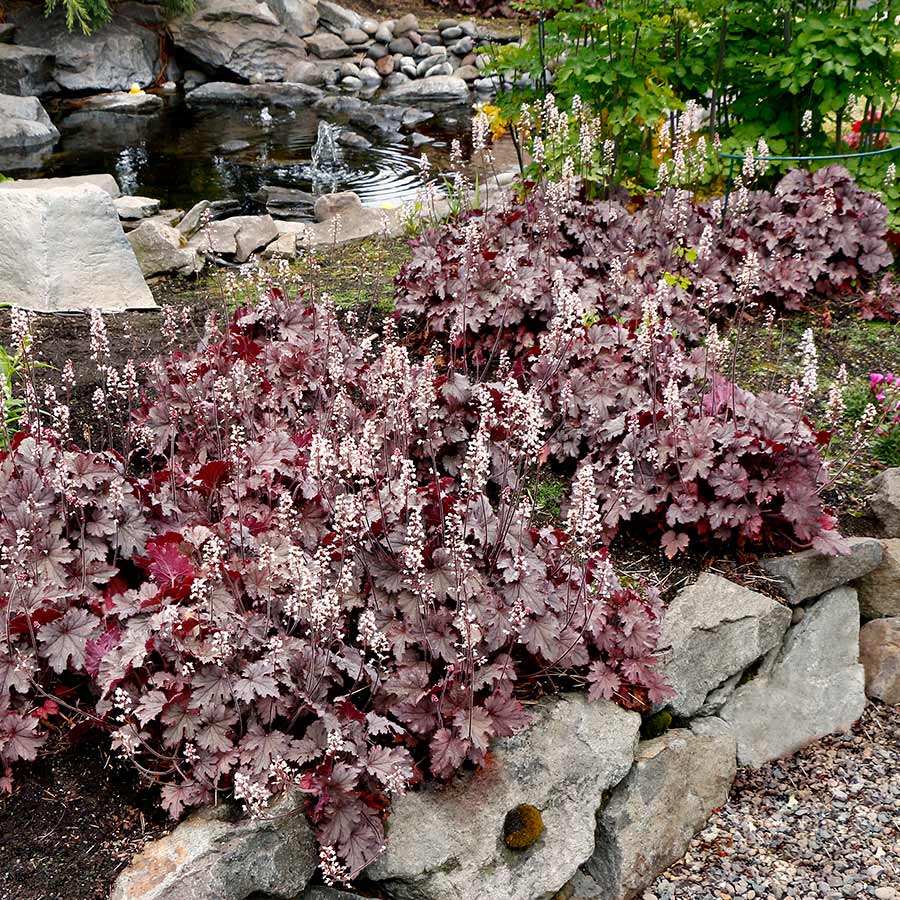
{"points": [[183, 154]]}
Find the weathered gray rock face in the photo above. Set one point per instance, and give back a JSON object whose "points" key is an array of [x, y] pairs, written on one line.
{"points": [[437, 90], [448, 844], [879, 591], [208, 857], [711, 632], [111, 58], [810, 573], [879, 653], [815, 686], [676, 782], [25, 131], [299, 17], [159, 251], [64, 249], [105, 182], [25, 71], [884, 501], [336, 18], [288, 95], [243, 37]]}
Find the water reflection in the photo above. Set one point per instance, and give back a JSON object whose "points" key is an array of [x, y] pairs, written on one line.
{"points": [[182, 154]]}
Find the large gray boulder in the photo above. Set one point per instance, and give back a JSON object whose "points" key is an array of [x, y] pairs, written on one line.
{"points": [[25, 71], [25, 131], [438, 90], [815, 686], [63, 249], [879, 653], [287, 95], [159, 251], [810, 573], [884, 501], [111, 58], [447, 843], [711, 632], [671, 791], [243, 37], [210, 857], [879, 591]]}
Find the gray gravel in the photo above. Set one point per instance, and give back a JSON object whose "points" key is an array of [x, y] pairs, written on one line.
{"points": [[822, 825]]}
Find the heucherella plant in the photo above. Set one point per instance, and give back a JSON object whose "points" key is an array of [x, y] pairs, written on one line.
{"points": [[328, 578]]}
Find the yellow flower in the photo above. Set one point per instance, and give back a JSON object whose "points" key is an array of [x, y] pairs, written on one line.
{"points": [[135, 89], [497, 122]]}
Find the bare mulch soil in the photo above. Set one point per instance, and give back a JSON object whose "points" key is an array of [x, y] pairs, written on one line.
{"points": [[76, 818]]}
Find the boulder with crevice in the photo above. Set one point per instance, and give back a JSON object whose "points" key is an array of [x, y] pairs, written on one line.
{"points": [[814, 687], [676, 782], [711, 632], [810, 573], [63, 249], [446, 843]]}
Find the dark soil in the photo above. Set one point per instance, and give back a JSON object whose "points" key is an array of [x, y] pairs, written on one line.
{"points": [[76, 818]]}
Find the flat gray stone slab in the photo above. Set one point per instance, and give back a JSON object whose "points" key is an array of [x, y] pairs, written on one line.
{"points": [[104, 182], [810, 573]]}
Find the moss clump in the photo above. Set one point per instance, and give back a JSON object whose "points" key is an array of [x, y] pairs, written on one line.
{"points": [[522, 826], [656, 725]]}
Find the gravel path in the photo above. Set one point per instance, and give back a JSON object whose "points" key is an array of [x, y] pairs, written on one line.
{"points": [[822, 825]]}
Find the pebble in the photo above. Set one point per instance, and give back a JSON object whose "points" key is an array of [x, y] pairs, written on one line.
{"points": [[790, 832]]}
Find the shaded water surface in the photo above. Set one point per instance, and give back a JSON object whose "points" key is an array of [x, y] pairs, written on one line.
{"points": [[183, 154]]}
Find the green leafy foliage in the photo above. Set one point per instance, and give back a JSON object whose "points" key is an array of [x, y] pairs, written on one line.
{"points": [[796, 74]]}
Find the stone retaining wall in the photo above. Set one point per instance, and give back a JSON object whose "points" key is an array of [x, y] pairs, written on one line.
{"points": [[755, 679]]}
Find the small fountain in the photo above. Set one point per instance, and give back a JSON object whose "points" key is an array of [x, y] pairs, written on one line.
{"points": [[326, 158], [325, 152]]}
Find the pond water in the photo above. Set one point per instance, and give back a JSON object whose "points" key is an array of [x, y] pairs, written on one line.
{"points": [[176, 156]]}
